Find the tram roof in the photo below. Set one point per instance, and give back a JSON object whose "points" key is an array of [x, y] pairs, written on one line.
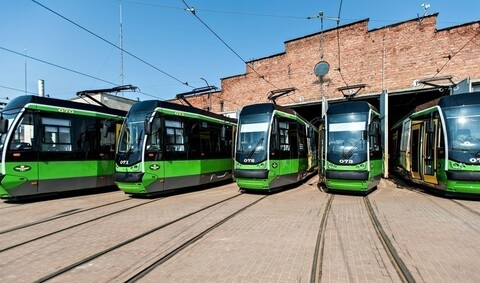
{"points": [[449, 101], [349, 107], [266, 107], [150, 105], [23, 100], [460, 99]]}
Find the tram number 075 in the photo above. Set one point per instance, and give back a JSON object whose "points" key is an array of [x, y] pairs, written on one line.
{"points": [[346, 161]]}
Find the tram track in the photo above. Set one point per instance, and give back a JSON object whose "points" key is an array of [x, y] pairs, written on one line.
{"points": [[74, 225], [452, 201], [188, 243], [316, 272], [427, 192], [465, 207], [9, 206], [402, 270], [65, 214], [151, 266], [458, 203], [434, 199]]}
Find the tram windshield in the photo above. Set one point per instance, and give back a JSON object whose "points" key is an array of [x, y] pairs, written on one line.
{"points": [[131, 136], [463, 124], [252, 138], [346, 138], [9, 116]]}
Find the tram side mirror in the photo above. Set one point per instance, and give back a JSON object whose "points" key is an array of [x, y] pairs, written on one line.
{"points": [[365, 135], [3, 125]]}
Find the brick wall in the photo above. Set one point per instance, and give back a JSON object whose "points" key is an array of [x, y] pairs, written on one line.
{"points": [[390, 58]]}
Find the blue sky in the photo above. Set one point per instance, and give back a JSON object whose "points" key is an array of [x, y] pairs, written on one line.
{"points": [[170, 45]]}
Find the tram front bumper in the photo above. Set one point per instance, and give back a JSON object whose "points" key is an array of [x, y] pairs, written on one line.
{"points": [[347, 180], [3, 192], [10, 182], [132, 182], [463, 182], [252, 179]]}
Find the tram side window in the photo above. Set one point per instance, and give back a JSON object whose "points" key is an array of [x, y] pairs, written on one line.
{"points": [[313, 141], [24, 135], [174, 135], [293, 133], [154, 140], [211, 141], [108, 138], [56, 134], [375, 137], [405, 137], [440, 144], [288, 137], [193, 130], [284, 136], [86, 134], [226, 141], [302, 142]]}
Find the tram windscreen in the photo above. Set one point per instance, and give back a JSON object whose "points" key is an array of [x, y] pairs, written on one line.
{"points": [[252, 138], [346, 138], [131, 137], [9, 116], [463, 124]]}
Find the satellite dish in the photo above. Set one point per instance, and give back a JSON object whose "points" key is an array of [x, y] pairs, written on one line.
{"points": [[321, 69]]}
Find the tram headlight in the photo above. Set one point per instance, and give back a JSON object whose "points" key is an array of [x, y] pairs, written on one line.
{"points": [[361, 166], [458, 165]]}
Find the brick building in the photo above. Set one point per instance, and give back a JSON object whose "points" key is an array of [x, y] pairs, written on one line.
{"points": [[412, 61]]}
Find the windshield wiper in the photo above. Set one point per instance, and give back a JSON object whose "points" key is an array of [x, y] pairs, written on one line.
{"points": [[254, 148], [350, 152]]}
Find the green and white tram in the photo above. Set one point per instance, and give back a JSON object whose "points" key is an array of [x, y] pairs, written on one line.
{"points": [[438, 145], [51, 146], [165, 146], [275, 147], [351, 153]]}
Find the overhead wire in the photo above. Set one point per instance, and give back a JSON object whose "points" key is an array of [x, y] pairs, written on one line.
{"points": [[112, 44], [450, 57], [267, 15], [15, 89], [217, 11], [56, 65], [63, 68], [192, 10], [338, 43]]}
